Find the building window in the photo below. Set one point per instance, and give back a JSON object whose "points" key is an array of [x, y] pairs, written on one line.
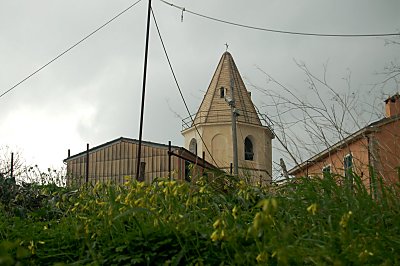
{"points": [[193, 146], [348, 165], [326, 171], [248, 149], [222, 92]]}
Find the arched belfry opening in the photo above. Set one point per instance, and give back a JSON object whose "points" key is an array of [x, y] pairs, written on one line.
{"points": [[193, 146], [248, 149]]}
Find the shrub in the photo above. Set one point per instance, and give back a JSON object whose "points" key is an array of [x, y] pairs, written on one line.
{"points": [[210, 221]]}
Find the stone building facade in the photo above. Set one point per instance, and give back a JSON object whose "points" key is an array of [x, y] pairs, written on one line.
{"points": [[210, 129]]}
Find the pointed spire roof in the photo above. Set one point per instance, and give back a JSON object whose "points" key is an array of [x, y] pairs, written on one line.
{"points": [[214, 107]]}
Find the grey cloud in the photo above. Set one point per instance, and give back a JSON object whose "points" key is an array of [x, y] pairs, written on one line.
{"points": [[105, 72]]}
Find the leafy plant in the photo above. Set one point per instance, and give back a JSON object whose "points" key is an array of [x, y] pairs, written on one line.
{"points": [[212, 220]]}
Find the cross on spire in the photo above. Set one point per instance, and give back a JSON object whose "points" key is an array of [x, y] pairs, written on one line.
{"points": [[227, 45]]}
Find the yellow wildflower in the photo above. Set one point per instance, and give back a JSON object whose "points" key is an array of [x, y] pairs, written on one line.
{"points": [[312, 208], [86, 228], [138, 202], [262, 257], [222, 235], [98, 202], [257, 221], [364, 254], [268, 204], [234, 212], [345, 219], [31, 247], [214, 236], [155, 222], [217, 223]]}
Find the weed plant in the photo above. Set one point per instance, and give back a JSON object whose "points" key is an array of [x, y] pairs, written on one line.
{"points": [[318, 221]]}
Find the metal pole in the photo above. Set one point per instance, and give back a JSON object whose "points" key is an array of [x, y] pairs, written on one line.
{"points": [[12, 166], [169, 159], [204, 163], [142, 171], [234, 134], [307, 168], [143, 90], [87, 163], [69, 180]]}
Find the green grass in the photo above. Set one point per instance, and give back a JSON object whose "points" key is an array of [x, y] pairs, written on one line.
{"points": [[209, 222]]}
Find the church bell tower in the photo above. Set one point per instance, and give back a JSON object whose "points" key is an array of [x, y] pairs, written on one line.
{"points": [[227, 110]]}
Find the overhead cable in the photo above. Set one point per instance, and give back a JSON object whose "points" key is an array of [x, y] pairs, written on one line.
{"points": [[179, 88], [183, 9], [70, 48]]}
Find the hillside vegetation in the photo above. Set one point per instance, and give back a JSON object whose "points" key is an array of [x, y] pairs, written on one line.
{"points": [[206, 222]]}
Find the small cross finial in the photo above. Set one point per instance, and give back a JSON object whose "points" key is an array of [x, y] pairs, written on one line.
{"points": [[227, 45]]}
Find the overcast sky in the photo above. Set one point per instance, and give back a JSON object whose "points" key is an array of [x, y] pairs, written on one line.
{"points": [[92, 94]]}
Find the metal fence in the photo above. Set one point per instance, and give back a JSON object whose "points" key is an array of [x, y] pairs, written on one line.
{"points": [[221, 116]]}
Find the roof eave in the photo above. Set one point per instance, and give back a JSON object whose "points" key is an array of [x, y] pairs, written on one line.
{"points": [[350, 139], [115, 141]]}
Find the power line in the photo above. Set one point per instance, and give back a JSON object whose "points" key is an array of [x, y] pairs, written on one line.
{"points": [[179, 88], [70, 48], [183, 9]]}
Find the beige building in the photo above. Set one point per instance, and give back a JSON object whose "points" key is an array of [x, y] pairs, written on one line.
{"points": [[117, 159], [210, 130]]}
